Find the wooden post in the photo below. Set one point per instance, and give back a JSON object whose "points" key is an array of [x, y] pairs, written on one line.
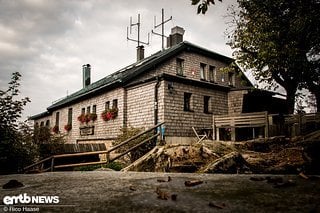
{"points": [[108, 157], [52, 164], [266, 128], [233, 134], [213, 128], [233, 129], [217, 134]]}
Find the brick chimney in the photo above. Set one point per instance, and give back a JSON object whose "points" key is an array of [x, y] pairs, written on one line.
{"points": [[176, 36], [86, 72], [140, 52]]}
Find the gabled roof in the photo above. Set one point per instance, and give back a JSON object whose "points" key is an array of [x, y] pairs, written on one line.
{"points": [[121, 77]]}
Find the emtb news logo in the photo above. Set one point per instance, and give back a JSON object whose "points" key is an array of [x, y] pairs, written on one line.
{"points": [[26, 199]]}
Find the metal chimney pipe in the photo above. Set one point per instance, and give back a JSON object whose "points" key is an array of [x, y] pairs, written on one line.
{"points": [[86, 75]]}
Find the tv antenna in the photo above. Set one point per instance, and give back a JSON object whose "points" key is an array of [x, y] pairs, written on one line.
{"points": [[138, 25], [162, 26]]}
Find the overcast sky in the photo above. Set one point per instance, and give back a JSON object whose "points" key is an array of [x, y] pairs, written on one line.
{"points": [[48, 41]]}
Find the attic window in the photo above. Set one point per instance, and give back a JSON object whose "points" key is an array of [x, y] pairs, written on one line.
{"points": [[180, 66]]}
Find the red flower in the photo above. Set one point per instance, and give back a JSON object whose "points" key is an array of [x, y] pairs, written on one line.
{"points": [[68, 127], [55, 129], [109, 114]]}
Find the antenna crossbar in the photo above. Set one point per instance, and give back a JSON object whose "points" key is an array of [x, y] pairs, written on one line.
{"points": [[163, 22]]}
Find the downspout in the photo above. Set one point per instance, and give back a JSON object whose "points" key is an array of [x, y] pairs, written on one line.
{"points": [[156, 86]]}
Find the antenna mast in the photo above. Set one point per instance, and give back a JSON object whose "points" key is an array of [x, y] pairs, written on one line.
{"points": [[138, 25], [162, 26]]}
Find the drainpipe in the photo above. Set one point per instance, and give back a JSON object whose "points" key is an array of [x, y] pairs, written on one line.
{"points": [[156, 101], [156, 86]]}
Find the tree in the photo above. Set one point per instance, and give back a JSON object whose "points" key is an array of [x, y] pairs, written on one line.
{"points": [[13, 140], [203, 6], [274, 39], [11, 109]]}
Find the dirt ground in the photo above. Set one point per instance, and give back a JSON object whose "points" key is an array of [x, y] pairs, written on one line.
{"points": [[108, 191]]}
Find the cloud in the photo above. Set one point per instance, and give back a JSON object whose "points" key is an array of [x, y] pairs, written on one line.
{"points": [[48, 41]]}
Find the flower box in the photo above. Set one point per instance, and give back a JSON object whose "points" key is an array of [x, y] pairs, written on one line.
{"points": [[86, 118], [109, 114]]}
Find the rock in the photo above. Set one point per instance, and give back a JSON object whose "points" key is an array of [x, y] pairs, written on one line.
{"points": [[12, 184], [229, 163]]}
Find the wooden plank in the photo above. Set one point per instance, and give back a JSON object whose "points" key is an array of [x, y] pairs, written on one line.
{"points": [[80, 164]]}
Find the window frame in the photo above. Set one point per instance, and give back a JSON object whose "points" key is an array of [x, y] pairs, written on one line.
{"points": [[70, 112], [57, 119], [203, 74], [115, 104], [212, 74], [207, 104], [107, 105], [180, 66], [187, 102]]}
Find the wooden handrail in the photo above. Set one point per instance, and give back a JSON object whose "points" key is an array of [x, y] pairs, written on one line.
{"points": [[52, 158], [37, 163], [135, 137], [134, 147]]}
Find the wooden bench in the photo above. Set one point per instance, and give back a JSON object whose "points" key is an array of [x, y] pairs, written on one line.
{"points": [[243, 120]]}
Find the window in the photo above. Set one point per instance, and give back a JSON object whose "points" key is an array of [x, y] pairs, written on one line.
{"points": [[42, 124], [47, 123], [187, 101], [231, 79], [94, 109], [107, 106], [83, 111], [203, 72], [206, 104], [88, 109], [212, 74], [70, 116], [57, 119], [180, 66], [115, 104]]}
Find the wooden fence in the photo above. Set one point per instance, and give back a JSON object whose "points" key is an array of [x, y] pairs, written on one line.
{"points": [[244, 120], [272, 124], [52, 159]]}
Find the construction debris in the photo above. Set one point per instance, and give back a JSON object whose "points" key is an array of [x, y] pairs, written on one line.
{"points": [[163, 195], [192, 182], [275, 155], [211, 204]]}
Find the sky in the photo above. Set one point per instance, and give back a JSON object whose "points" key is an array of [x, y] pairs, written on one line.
{"points": [[48, 41]]}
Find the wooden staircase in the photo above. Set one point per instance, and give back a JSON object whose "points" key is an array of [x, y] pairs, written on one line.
{"points": [[42, 165]]}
